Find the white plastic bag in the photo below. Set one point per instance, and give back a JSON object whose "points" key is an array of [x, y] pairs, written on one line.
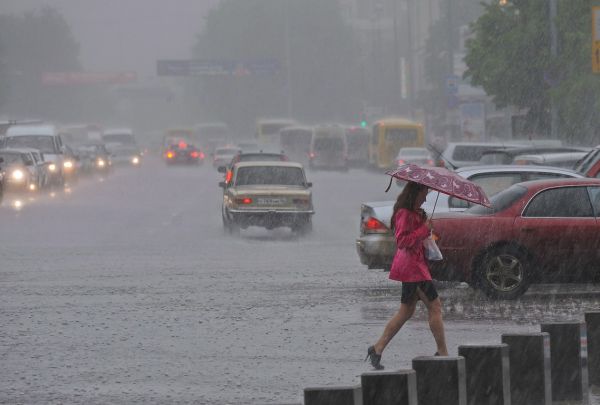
{"points": [[432, 251]]}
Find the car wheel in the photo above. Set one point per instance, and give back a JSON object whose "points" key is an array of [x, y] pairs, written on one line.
{"points": [[304, 227], [504, 273]]}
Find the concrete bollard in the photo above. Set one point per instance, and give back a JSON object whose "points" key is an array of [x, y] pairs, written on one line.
{"points": [[389, 387], [592, 322], [529, 364], [487, 370], [568, 361], [349, 395], [441, 380]]}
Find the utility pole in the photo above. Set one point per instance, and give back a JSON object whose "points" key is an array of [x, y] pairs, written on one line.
{"points": [[554, 53], [288, 61], [411, 62], [397, 78]]}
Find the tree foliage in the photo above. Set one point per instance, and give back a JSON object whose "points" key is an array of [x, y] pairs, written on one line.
{"points": [[31, 44], [510, 57], [322, 55]]}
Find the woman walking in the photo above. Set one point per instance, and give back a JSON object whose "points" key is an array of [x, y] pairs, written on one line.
{"points": [[411, 227]]}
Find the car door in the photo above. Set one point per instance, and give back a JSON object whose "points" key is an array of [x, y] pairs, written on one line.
{"points": [[558, 227]]}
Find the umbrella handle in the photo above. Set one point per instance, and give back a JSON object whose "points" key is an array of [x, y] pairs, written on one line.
{"points": [[434, 205], [389, 185]]}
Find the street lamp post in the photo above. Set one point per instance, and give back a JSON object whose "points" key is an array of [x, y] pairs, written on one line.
{"points": [[554, 53]]}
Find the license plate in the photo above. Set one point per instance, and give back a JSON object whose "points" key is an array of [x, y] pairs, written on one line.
{"points": [[271, 201]]}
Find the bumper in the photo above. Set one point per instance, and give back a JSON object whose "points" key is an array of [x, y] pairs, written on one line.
{"points": [[269, 218], [376, 251]]}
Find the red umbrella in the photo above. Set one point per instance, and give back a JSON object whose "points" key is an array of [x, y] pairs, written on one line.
{"points": [[442, 180]]}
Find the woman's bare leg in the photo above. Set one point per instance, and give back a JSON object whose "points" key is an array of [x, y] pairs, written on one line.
{"points": [[403, 314], [436, 324]]}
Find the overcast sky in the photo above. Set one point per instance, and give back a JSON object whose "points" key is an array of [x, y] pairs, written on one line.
{"points": [[117, 35]]}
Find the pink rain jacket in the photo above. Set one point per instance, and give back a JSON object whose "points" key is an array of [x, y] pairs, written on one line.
{"points": [[409, 262]]}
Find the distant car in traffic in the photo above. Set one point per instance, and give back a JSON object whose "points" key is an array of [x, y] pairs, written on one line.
{"points": [[223, 155], [376, 244], [183, 153], [268, 195], [419, 156], [47, 140], [543, 231], [123, 147], [21, 170]]}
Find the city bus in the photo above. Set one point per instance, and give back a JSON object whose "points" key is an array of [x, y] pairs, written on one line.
{"points": [[295, 142], [267, 130], [391, 134]]}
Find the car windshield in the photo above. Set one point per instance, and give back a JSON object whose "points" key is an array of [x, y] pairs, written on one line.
{"points": [[263, 175], [43, 143], [123, 139], [256, 157], [11, 158], [500, 201]]}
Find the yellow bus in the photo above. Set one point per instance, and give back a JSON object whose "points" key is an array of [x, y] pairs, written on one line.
{"points": [[391, 134]]}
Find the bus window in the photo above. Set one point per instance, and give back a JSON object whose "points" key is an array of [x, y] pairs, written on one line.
{"points": [[401, 135]]}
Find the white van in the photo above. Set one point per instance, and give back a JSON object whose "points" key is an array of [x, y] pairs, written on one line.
{"points": [[328, 148], [44, 138]]}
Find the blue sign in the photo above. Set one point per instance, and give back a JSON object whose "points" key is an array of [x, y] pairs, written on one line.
{"points": [[217, 67]]}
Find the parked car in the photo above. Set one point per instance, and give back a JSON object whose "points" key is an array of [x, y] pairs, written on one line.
{"points": [[376, 245], [564, 159], [269, 195], [506, 156], [589, 165], [459, 154], [419, 156], [223, 155], [44, 138], [543, 231], [22, 171]]}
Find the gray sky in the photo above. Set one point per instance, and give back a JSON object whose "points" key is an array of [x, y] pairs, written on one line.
{"points": [[117, 35]]}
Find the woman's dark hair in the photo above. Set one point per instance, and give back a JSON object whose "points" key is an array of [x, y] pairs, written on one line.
{"points": [[407, 199]]}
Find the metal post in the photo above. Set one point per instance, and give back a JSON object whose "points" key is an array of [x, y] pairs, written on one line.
{"points": [[288, 62], [554, 53], [411, 62], [397, 77]]}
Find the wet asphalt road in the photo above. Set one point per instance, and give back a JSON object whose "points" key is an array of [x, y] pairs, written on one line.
{"points": [[128, 291]]}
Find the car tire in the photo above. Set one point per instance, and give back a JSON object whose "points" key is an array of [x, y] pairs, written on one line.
{"points": [[504, 272], [304, 227]]}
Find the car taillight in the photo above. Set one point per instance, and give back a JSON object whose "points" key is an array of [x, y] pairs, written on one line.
{"points": [[373, 225], [312, 155], [182, 145], [401, 162], [301, 201], [228, 176], [195, 154], [201, 155], [430, 162], [245, 200]]}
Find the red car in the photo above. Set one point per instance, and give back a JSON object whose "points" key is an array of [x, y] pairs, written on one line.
{"points": [[538, 231]]}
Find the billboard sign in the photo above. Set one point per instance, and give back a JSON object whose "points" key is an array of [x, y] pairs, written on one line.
{"points": [[217, 67], [85, 78]]}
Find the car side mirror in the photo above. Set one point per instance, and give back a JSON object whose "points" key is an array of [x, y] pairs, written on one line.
{"points": [[222, 184], [222, 169], [309, 184]]}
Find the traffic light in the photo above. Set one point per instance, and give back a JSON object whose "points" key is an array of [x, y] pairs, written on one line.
{"points": [[363, 119]]}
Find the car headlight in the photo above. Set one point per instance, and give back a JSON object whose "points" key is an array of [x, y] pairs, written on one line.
{"points": [[135, 160], [101, 163], [52, 167], [68, 164], [18, 175]]}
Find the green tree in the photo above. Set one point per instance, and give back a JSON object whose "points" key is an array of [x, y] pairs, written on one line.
{"points": [[324, 74], [510, 57], [32, 44]]}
